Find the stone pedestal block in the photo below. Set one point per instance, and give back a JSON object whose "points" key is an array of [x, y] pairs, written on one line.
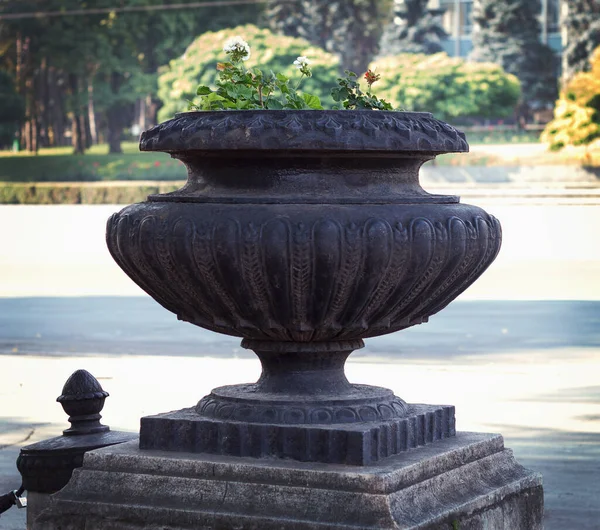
{"points": [[467, 482]]}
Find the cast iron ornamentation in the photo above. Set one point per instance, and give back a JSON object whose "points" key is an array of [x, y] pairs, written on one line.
{"points": [[47, 466], [315, 276], [303, 233], [359, 444], [82, 399], [293, 130]]}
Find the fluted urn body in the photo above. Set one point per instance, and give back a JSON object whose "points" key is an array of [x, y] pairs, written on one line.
{"points": [[303, 232]]}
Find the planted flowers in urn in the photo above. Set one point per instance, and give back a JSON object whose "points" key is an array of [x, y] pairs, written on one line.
{"points": [[302, 231]]}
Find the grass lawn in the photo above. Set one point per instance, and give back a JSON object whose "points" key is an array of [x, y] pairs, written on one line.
{"points": [[60, 165], [494, 136], [55, 176]]}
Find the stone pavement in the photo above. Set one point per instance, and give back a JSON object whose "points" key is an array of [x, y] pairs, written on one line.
{"points": [[534, 178], [528, 370]]}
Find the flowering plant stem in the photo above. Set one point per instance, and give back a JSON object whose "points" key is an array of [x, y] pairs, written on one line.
{"points": [[348, 92], [245, 89], [239, 88]]}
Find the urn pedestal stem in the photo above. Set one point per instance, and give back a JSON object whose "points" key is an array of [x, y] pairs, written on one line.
{"points": [[309, 369]]}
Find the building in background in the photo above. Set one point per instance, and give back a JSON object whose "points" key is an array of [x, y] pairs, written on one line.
{"points": [[458, 22]]}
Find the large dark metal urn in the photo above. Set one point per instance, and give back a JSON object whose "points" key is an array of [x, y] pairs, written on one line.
{"points": [[303, 232]]}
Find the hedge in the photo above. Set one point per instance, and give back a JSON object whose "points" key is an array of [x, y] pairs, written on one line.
{"points": [[448, 87], [82, 192]]}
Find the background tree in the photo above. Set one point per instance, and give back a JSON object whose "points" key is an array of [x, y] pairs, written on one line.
{"points": [[414, 29], [12, 109], [350, 29], [507, 32], [70, 48], [582, 26], [577, 112], [86, 78], [21, 58]]}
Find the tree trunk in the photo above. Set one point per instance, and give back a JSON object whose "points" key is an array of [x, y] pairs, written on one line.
{"points": [[152, 105], [83, 127], [115, 117], [19, 82], [33, 134], [29, 130], [355, 59], [142, 114], [92, 113], [60, 125], [25, 136], [115, 128], [55, 132], [77, 131], [45, 123], [76, 136], [25, 81]]}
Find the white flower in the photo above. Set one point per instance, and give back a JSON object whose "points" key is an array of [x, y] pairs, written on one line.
{"points": [[237, 46], [301, 62]]}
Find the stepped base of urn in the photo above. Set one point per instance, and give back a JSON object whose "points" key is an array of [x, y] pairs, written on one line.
{"points": [[358, 443], [301, 408]]}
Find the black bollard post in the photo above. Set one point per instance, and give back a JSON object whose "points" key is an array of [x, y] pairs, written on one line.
{"points": [[47, 466]]}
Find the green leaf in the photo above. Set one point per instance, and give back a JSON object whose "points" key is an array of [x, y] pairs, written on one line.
{"points": [[313, 102], [213, 96], [232, 90], [296, 101], [245, 92], [203, 90], [227, 104], [258, 75], [274, 104], [282, 78], [242, 104]]}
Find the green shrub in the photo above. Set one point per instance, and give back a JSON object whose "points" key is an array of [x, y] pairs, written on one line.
{"points": [[577, 112], [449, 87], [197, 66]]}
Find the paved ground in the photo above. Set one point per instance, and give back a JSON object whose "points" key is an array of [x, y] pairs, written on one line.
{"points": [[518, 354], [537, 179]]}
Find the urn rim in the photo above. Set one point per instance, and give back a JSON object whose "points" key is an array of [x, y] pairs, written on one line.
{"points": [[273, 132]]}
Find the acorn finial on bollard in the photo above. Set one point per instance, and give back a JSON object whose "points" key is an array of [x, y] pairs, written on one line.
{"points": [[82, 399], [47, 466]]}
